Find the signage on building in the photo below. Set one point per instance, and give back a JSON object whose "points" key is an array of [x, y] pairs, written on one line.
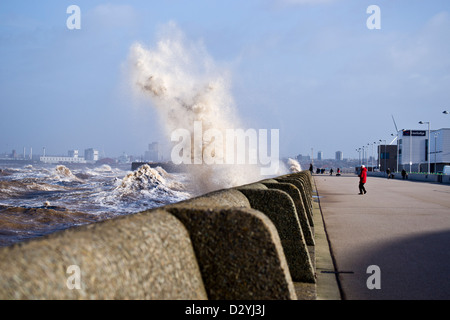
{"points": [[414, 133]]}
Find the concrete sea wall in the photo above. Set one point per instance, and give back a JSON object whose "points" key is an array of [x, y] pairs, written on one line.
{"points": [[254, 241]]}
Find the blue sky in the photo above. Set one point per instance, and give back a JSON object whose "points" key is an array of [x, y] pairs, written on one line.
{"points": [[311, 69]]}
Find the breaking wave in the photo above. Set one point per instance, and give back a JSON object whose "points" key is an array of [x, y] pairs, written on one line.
{"points": [[186, 85], [294, 166]]}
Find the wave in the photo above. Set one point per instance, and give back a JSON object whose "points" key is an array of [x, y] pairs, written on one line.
{"points": [[150, 181], [30, 196], [20, 223], [294, 166], [186, 85]]}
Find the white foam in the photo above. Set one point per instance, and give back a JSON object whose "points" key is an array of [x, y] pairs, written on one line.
{"points": [[294, 166], [186, 85]]}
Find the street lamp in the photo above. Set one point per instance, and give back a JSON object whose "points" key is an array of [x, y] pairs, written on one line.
{"points": [[363, 154], [428, 146], [367, 156], [359, 153], [445, 112], [373, 155], [379, 155]]}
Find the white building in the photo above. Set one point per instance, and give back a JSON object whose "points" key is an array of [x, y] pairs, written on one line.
{"points": [[320, 155], [90, 154], [413, 149], [440, 148], [72, 158], [153, 153]]}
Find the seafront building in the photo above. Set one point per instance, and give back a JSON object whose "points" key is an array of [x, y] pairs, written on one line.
{"points": [[412, 154], [90, 156], [153, 153]]}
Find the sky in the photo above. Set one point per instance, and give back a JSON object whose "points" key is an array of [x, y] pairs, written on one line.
{"points": [[312, 69]]}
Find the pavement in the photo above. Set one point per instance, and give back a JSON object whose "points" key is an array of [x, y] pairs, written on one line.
{"points": [[391, 243]]}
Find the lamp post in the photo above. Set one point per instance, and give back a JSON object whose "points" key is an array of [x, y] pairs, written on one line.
{"points": [[379, 155], [367, 156], [372, 154], [428, 145], [445, 112], [363, 154]]}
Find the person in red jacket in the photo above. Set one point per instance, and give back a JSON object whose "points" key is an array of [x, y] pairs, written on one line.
{"points": [[362, 180]]}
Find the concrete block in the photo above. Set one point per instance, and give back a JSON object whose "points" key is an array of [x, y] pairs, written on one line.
{"points": [[307, 200], [280, 209], [147, 255], [215, 199], [293, 191], [239, 253]]}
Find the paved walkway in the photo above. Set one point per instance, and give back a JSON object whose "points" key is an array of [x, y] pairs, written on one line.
{"points": [[402, 227]]}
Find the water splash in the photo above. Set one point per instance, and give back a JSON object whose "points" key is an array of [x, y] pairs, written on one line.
{"points": [[186, 85], [294, 166]]}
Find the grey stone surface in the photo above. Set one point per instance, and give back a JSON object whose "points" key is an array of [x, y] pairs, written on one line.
{"points": [[280, 209], [148, 255], [293, 191], [239, 253], [220, 198], [307, 200], [242, 243]]}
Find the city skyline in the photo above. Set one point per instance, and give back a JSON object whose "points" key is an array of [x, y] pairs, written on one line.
{"points": [[313, 70]]}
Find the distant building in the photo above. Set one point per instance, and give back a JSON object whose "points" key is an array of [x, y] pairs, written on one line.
{"points": [[339, 155], [303, 158], [124, 158], [387, 157], [413, 150], [153, 153], [72, 158], [439, 149], [91, 154], [320, 155], [73, 153]]}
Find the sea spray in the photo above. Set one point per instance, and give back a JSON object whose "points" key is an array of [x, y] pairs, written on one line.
{"points": [[186, 86], [294, 166]]}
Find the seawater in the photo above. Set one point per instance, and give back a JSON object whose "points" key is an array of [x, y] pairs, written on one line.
{"points": [[39, 199]]}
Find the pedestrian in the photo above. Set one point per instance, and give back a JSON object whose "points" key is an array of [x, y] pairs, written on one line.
{"points": [[388, 172], [404, 174], [338, 172], [331, 171], [362, 180], [311, 168]]}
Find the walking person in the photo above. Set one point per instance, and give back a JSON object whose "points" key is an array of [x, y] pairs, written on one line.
{"points": [[362, 180]]}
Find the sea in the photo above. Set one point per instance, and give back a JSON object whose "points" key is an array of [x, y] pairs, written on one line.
{"points": [[39, 199]]}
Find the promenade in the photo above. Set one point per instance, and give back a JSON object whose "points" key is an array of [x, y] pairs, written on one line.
{"points": [[402, 227]]}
